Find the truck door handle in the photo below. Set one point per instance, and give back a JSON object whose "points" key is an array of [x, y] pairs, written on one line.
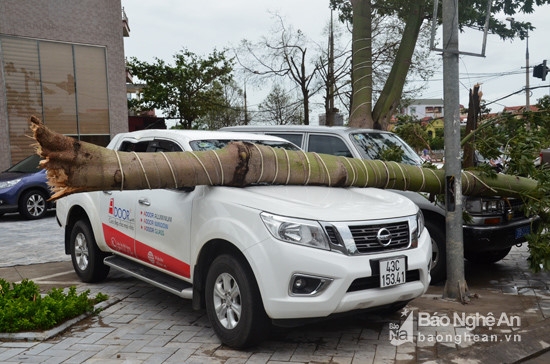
{"points": [[108, 192], [144, 201]]}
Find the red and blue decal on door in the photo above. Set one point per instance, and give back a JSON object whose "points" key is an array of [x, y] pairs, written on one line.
{"points": [[162, 260], [126, 245], [118, 241]]}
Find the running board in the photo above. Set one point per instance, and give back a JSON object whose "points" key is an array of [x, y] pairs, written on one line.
{"points": [[161, 280]]}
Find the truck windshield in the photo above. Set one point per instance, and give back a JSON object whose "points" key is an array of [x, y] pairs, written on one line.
{"points": [[376, 146], [212, 144]]}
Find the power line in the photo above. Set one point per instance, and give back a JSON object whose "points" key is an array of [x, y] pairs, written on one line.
{"points": [[478, 75], [514, 93]]}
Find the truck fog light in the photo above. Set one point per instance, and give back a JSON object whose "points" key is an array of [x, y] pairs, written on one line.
{"points": [[302, 284]]}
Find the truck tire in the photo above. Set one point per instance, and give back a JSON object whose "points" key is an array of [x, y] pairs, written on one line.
{"points": [[439, 252], [487, 257], [233, 303], [86, 257], [33, 205]]}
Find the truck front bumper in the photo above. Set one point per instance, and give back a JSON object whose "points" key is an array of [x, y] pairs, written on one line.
{"points": [[497, 237], [354, 281]]}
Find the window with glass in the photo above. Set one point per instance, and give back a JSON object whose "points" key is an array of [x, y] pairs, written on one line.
{"points": [[63, 84], [327, 144]]}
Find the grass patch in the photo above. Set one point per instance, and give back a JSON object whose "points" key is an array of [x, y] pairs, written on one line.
{"points": [[23, 308]]}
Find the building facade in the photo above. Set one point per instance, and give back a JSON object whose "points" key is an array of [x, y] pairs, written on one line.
{"points": [[425, 108], [63, 61]]}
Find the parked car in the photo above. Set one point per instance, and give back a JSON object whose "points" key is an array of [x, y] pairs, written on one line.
{"points": [[24, 189], [251, 256], [494, 225]]}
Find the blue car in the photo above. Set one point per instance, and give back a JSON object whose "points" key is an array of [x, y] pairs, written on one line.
{"points": [[24, 189]]}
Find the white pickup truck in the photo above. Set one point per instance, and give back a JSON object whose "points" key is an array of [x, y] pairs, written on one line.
{"points": [[252, 256]]}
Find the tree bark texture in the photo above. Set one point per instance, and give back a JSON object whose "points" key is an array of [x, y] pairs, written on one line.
{"points": [[393, 87], [471, 125], [361, 103], [75, 166]]}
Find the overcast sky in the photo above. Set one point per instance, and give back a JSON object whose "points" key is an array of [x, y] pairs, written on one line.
{"points": [[161, 28]]}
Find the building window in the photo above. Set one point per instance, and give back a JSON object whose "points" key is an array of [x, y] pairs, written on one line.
{"points": [[63, 84], [434, 109]]}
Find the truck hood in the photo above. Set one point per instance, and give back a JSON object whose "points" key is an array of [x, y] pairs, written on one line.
{"points": [[322, 203]]}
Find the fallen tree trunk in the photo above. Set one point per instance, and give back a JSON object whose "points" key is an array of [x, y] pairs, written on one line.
{"points": [[76, 166]]}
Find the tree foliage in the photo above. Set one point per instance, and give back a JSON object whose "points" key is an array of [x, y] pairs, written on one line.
{"points": [[516, 139], [229, 109], [414, 14], [187, 90], [413, 133]]}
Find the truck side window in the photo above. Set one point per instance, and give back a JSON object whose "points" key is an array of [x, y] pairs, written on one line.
{"points": [[157, 145], [128, 146], [293, 138], [160, 145], [328, 145]]}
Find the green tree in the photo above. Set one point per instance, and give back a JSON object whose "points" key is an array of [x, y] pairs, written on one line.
{"points": [[413, 13], [517, 141], [279, 108], [187, 90], [227, 110], [413, 133]]}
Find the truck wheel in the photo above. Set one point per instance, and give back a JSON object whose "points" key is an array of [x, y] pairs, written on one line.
{"points": [[439, 252], [487, 257], [233, 303], [32, 204], [86, 257]]}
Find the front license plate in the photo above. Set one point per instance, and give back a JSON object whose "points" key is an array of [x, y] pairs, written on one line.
{"points": [[522, 231], [392, 271]]}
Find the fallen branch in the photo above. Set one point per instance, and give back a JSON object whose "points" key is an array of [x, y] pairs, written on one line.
{"points": [[76, 166]]}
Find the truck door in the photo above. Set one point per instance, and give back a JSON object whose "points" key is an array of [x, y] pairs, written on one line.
{"points": [[163, 222], [118, 211], [118, 220]]}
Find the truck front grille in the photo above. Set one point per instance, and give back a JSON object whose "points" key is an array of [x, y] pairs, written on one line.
{"points": [[365, 238]]}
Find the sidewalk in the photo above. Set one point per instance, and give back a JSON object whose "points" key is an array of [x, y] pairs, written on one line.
{"points": [[148, 325]]}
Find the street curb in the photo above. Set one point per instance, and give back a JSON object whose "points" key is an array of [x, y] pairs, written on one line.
{"points": [[45, 335]]}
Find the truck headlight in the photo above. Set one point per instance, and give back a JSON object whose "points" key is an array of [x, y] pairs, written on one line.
{"points": [[6, 184], [420, 222], [418, 229], [296, 231], [484, 206]]}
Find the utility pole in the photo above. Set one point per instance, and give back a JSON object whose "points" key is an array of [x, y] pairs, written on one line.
{"points": [[455, 286], [527, 88], [329, 112]]}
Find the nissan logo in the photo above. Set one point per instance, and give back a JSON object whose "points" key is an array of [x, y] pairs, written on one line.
{"points": [[384, 237]]}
